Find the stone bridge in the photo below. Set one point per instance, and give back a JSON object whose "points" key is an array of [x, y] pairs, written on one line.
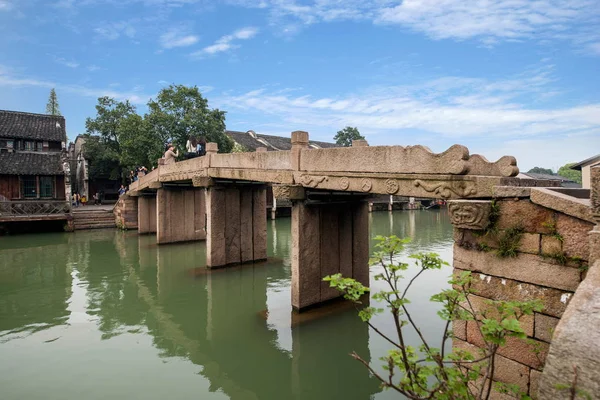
{"points": [[222, 198], [554, 255]]}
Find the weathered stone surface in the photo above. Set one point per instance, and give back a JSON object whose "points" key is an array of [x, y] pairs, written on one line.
{"points": [[330, 248], [551, 245], [215, 227], [202, 181], [484, 310], [212, 148], [470, 214], [575, 234], [505, 166], [360, 143], [246, 226], [146, 214], [530, 243], [306, 257], [531, 217], [554, 300], [410, 159], [544, 327], [506, 370], [360, 240], [232, 225], [595, 192], [511, 191], [270, 160], [594, 241], [289, 192], [259, 224], [575, 342], [534, 379], [200, 214], [459, 328], [578, 208], [255, 175], [530, 352], [525, 268]]}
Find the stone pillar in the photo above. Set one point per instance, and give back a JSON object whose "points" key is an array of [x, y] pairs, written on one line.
{"points": [[299, 143], [327, 239], [236, 225], [180, 214], [360, 143], [391, 203], [147, 214]]}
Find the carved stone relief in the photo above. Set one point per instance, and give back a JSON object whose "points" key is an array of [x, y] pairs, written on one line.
{"points": [[366, 185], [311, 180], [391, 186], [344, 183], [446, 190], [470, 214]]}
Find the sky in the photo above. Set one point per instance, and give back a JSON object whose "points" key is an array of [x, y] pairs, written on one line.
{"points": [[503, 77]]}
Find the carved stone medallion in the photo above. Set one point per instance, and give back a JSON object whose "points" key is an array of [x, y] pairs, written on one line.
{"points": [[391, 186], [470, 214], [344, 183], [366, 185]]}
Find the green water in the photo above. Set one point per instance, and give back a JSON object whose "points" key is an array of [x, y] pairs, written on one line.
{"points": [[111, 315]]}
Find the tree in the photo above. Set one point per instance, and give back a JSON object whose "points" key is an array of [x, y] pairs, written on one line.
{"points": [[138, 143], [180, 112], [540, 170], [102, 147], [52, 106], [347, 135], [569, 173], [429, 372]]}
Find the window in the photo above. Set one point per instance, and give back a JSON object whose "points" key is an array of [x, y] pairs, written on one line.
{"points": [[39, 146], [46, 186], [29, 186], [30, 146]]}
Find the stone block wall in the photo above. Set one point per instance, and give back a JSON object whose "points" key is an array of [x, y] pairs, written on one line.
{"points": [[519, 251], [126, 212]]}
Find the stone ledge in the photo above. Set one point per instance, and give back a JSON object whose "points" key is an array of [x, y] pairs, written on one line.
{"points": [[578, 208], [511, 191], [525, 268], [554, 300]]}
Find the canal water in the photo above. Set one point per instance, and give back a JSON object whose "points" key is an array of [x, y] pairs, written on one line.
{"points": [[111, 315]]}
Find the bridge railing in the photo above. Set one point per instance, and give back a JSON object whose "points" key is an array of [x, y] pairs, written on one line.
{"points": [[24, 208]]}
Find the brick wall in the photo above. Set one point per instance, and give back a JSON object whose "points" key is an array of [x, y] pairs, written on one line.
{"points": [[126, 212], [548, 263]]}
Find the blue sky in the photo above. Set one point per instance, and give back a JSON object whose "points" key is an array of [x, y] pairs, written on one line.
{"points": [[516, 77]]}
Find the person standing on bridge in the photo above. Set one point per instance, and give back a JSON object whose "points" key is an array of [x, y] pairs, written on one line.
{"points": [[190, 147], [171, 155]]}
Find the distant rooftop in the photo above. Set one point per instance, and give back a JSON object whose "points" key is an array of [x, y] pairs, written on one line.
{"points": [[22, 125], [564, 181], [591, 160], [251, 140]]}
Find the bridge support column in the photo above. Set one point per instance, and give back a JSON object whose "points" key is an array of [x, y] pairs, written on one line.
{"points": [[146, 214], [236, 224], [327, 239], [180, 214]]}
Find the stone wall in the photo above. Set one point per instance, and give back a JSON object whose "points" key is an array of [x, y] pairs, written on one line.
{"points": [[518, 251], [126, 212]]}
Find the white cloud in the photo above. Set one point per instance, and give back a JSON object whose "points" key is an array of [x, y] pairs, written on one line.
{"points": [[114, 30], [176, 38], [93, 68], [225, 43], [450, 107], [5, 5], [67, 63], [9, 80]]}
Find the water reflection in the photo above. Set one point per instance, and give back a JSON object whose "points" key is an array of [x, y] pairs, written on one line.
{"points": [[148, 320]]}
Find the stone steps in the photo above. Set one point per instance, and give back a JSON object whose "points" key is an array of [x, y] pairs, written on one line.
{"points": [[93, 220]]}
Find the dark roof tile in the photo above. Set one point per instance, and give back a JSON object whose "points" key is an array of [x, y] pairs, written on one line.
{"points": [[31, 163], [269, 141], [20, 125]]}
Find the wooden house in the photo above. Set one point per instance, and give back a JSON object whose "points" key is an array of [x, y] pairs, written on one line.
{"points": [[32, 171]]}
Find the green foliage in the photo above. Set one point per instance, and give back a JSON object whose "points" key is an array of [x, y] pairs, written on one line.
{"points": [[180, 112], [428, 372], [508, 242], [52, 107], [347, 135], [539, 170], [569, 173]]}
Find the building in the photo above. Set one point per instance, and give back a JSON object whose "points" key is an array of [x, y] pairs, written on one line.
{"points": [[584, 166], [80, 172], [557, 180], [34, 171], [250, 141]]}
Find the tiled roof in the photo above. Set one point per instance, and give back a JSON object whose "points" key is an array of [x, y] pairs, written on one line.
{"points": [[268, 141], [20, 125], [31, 163], [580, 164]]}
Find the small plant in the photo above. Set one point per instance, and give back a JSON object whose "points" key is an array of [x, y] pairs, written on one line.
{"points": [[551, 226], [483, 247], [508, 242], [120, 224], [427, 371]]}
